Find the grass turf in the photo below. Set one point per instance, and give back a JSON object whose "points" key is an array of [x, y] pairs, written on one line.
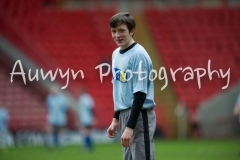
{"points": [[164, 150]]}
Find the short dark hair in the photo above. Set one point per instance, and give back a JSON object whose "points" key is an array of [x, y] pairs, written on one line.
{"points": [[122, 18]]}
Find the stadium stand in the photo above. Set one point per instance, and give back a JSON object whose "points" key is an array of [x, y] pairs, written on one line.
{"points": [[23, 103], [70, 39], [190, 37]]}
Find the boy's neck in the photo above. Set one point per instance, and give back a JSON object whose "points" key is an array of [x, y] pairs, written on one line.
{"points": [[129, 44], [122, 51]]}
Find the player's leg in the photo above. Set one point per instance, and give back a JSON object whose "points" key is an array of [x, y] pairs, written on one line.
{"points": [[56, 135], [143, 144], [152, 127], [127, 153], [142, 141], [60, 136], [49, 136], [124, 116], [87, 138]]}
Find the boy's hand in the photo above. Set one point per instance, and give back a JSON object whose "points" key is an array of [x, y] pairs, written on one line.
{"points": [[126, 139]]}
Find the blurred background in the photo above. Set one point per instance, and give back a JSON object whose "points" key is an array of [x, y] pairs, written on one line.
{"points": [[75, 35]]}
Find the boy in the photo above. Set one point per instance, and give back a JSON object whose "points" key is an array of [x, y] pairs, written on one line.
{"points": [[86, 117], [132, 91], [57, 105]]}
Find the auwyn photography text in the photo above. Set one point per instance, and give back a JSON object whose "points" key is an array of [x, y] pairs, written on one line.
{"points": [[161, 74]]}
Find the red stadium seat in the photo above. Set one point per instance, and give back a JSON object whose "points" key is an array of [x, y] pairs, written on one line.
{"points": [[197, 35]]}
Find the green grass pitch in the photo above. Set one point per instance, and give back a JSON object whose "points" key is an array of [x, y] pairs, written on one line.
{"points": [[164, 150]]}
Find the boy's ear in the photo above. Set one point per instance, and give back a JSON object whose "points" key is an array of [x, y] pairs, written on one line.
{"points": [[132, 32]]}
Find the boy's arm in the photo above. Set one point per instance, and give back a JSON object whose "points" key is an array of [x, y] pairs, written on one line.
{"points": [[139, 98]]}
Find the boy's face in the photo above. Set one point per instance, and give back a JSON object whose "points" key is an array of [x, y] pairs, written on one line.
{"points": [[122, 36]]}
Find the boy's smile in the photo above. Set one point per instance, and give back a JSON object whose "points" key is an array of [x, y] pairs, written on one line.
{"points": [[122, 36]]}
